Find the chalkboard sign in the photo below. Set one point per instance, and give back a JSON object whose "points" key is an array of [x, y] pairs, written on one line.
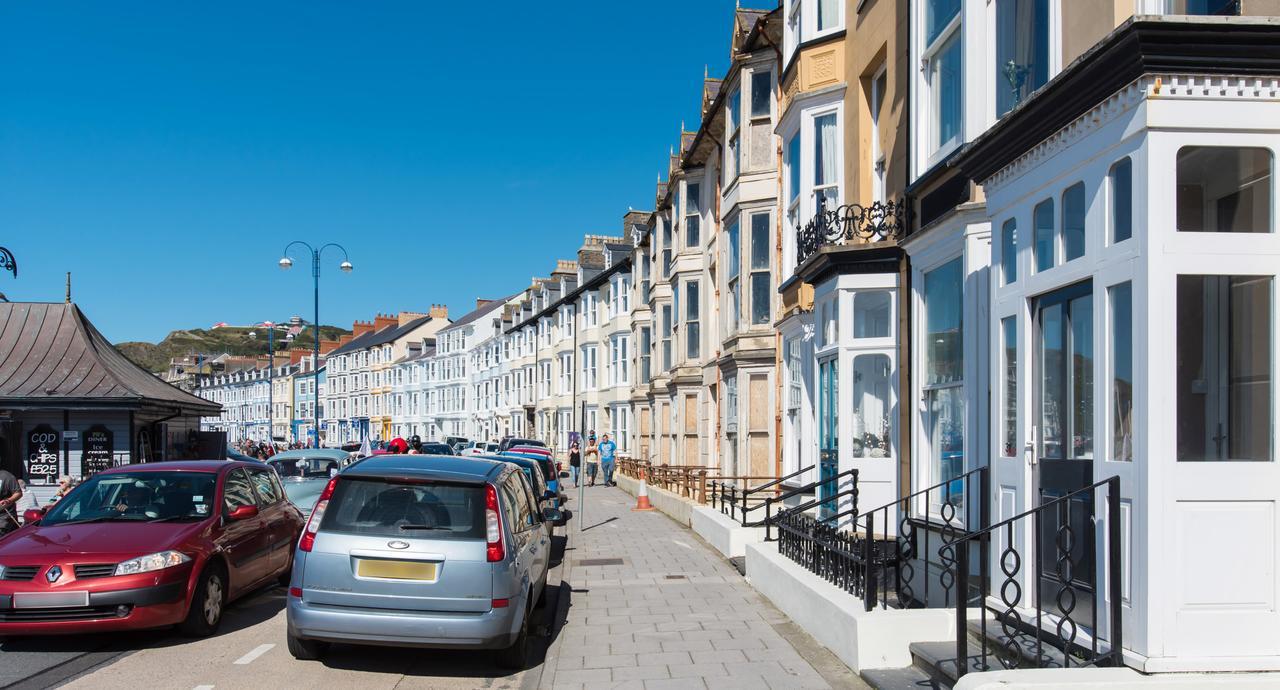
{"points": [[98, 445], [42, 454]]}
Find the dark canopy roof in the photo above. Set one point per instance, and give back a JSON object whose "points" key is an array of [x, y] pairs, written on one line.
{"points": [[51, 356]]}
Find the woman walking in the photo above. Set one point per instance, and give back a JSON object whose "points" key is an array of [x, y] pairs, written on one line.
{"points": [[575, 462]]}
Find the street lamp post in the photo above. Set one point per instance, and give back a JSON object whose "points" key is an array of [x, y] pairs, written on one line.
{"points": [[285, 264]]}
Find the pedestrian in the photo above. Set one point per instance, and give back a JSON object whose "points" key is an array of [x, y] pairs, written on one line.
{"points": [[608, 458], [575, 462], [592, 459], [10, 494]]}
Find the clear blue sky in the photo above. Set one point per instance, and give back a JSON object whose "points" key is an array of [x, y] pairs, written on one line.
{"points": [[165, 153]]}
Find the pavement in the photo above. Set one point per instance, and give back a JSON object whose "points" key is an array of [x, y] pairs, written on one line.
{"points": [[652, 606], [634, 601]]}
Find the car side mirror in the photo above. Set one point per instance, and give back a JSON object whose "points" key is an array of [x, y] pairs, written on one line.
{"points": [[553, 515], [32, 515], [563, 474], [244, 513], [549, 495]]}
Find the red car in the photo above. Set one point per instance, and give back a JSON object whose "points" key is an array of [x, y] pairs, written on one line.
{"points": [[148, 546]]}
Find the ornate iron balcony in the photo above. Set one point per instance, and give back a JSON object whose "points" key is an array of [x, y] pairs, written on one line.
{"points": [[879, 222]]}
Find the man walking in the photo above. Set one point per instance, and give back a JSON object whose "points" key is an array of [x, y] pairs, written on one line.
{"points": [[10, 494], [608, 458]]}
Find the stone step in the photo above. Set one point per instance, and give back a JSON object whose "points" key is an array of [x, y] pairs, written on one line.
{"points": [[998, 642], [909, 678]]}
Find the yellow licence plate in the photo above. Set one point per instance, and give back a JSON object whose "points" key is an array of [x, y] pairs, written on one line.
{"points": [[396, 570]]}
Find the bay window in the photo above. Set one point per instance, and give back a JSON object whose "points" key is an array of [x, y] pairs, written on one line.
{"points": [[733, 138], [1223, 189], [589, 362], [666, 337], [646, 354], [826, 163], [871, 406], [793, 182]]}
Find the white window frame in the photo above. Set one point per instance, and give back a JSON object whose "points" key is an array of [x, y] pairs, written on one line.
{"points": [[936, 151]]}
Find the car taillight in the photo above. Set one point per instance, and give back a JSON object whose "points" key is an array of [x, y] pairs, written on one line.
{"points": [[308, 540], [493, 526]]}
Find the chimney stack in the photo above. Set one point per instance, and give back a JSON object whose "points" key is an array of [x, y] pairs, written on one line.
{"points": [[359, 328], [439, 311], [381, 321], [407, 316], [327, 346]]}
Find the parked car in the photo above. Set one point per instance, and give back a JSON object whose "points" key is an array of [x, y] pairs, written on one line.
{"points": [[148, 546], [475, 448], [547, 466], [546, 497], [233, 454], [449, 553], [309, 462], [457, 443], [437, 449], [303, 492], [511, 441]]}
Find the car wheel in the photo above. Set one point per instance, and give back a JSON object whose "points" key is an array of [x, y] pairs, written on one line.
{"points": [[514, 657], [305, 650], [206, 604]]}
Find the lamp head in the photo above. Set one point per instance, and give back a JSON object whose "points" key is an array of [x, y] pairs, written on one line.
{"points": [[345, 266], [286, 263]]}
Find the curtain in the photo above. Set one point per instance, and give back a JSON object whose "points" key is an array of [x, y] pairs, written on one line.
{"points": [[825, 172]]}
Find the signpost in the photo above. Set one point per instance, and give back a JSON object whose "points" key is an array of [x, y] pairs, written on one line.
{"points": [[42, 454], [96, 453]]}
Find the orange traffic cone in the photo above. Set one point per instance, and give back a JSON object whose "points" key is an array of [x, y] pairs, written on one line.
{"points": [[642, 499]]}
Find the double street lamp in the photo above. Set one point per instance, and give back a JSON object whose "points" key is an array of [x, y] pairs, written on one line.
{"points": [[285, 264]]}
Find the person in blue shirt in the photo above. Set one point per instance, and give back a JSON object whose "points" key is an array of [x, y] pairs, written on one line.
{"points": [[608, 458]]}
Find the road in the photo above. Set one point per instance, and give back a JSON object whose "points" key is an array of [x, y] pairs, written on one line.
{"points": [[249, 652]]}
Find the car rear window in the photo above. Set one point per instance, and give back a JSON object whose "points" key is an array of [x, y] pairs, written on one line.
{"points": [[395, 509]]}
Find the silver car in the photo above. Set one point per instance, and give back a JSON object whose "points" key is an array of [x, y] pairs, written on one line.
{"points": [[450, 553]]}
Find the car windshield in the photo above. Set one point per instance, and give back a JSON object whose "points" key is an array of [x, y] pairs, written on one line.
{"points": [[392, 509], [137, 497], [316, 466], [436, 449]]}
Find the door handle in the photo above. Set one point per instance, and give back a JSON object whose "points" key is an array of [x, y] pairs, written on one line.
{"points": [[1030, 449]]}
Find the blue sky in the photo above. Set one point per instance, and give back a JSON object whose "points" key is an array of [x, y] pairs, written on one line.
{"points": [[165, 153]]}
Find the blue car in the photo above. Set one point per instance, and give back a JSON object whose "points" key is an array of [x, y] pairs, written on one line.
{"points": [[537, 476], [545, 465]]}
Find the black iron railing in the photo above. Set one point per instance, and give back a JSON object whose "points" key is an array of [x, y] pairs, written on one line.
{"points": [[929, 522], [881, 221], [848, 560], [819, 501], [739, 502], [1060, 627]]}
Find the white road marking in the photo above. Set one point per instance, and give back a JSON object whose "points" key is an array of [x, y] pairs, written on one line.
{"points": [[203, 687], [612, 526], [257, 652], [680, 543]]}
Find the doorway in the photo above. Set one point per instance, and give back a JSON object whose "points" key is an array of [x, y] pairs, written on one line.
{"points": [[1064, 433]]}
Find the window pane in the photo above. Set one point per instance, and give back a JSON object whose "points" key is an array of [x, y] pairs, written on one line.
{"points": [[945, 82], [761, 93], [760, 293], [1022, 50], [692, 199], [760, 241], [735, 258], [829, 422], [1224, 189], [871, 412], [1044, 247], [828, 14], [871, 314], [1009, 250], [1224, 368], [1121, 372], [1073, 221], [938, 14], [735, 110], [694, 336], [1009, 329], [825, 142], [1081, 378], [1121, 177], [793, 167], [1205, 7], [692, 227], [946, 433], [944, 324], [691, 306]]}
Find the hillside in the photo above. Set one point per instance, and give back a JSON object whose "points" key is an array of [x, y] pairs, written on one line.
{"points": [[155, 357]]}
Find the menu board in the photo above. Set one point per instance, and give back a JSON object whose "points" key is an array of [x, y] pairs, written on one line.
{"points": [[42, 454], [96, 451]]}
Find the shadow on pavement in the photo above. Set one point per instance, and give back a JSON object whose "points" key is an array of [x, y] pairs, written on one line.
{"points": [[604, 522]]}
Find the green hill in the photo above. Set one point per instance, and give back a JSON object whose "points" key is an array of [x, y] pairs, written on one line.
{"points": [[235, 340]]}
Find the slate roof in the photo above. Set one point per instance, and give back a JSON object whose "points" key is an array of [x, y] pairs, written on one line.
{"points": [[51, 355], [379, 337], [477, 314]]}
